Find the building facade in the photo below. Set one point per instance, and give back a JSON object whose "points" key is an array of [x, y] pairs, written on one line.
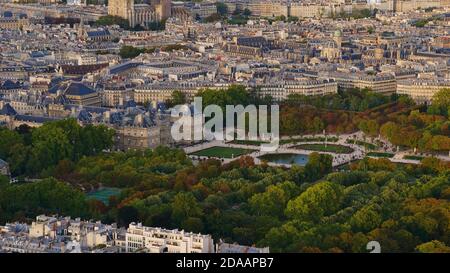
{"points": [[140, 14], [158, 240], [422, 90]]}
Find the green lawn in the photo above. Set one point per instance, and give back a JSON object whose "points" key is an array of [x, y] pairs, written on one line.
{"points": [[222, 152], [248, 142], [332, 148], [308, 139], [362, 143], [413, 157], [103, 194], [376, 154], [285, 141]]}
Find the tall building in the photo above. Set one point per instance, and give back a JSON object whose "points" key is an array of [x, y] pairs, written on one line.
{"points": [[140, 14], [163, 8], [120, 8]]}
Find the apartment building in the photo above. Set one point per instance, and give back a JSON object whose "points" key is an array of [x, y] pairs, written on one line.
{"points": [[269, 8], [385, 84], [422, 90], [52, 234], [280, 90], [158, 240], [163, 92]]}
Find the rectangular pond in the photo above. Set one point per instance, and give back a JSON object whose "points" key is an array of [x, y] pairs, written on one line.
{"points": [[285, 158], [103, 194]]}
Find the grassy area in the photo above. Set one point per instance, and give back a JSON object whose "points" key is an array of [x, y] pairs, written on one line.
{"points": [[413, 157], [362, 143], [222, 152], [376, 154], [308, 139], [333, 148], [103, 194], [248, 142], [285, 141]]}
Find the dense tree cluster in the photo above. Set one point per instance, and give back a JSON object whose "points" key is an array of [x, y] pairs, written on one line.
{"points": [[108, 20], [441, 103], [24, 202], [418, 130], [234, 95], [302, 209], [35, 151], [351, 100], [396, 118]]}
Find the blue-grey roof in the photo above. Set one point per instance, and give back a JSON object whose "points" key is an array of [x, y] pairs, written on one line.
{"points": [[36, 119], [62, 99], [37, 54], [3, 163], [123, 67], [78, 89], [53, 89], [8, 110], [90, 109], [98, 33], [8, 84], [84, 116], [130, 104]]}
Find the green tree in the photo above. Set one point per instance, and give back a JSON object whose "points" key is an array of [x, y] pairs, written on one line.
{"points": [[177, 98], [185, 205], [433, 247], [318, 165], [246, 12], [441, 102], [319, 200], [318, 125], [193, 224], [271, 202], [366, 219], [127, 215], [112, 20], [222, 8]]}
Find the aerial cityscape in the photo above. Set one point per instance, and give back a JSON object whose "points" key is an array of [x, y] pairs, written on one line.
{"points": [[224, 126]]}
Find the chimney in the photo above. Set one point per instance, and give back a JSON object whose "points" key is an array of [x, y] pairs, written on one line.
{"points": [[107, 116], [138, 120]]}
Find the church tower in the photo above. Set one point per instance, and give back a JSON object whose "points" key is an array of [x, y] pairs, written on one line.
{"points": [[163, 8], [121, 8], [81, 30]]}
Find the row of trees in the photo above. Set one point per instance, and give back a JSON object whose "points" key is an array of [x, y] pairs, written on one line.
{"points": [[351, 100], [426, 130], [109, 20]]}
